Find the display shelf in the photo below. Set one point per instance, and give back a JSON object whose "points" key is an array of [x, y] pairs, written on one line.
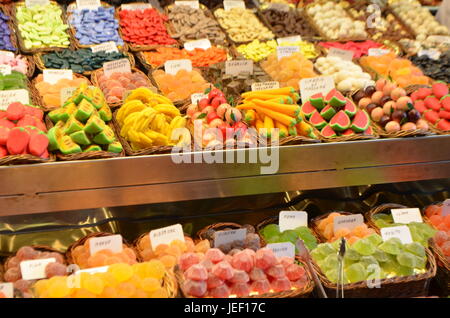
{"points": [[62, 186]]}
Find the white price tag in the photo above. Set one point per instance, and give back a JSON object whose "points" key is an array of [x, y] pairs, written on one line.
{"points": [[446, 207], [5, 69], [35, 269], [314, 85], [377, 52], [431, 53], [282, 249], [11, 96], [237, 67], [342, 54], [197, 44], [283, 51], [117, 66], [195, 98], [405, 216], [347, 221], [7, 53], [7, 289], [30, 3], [94, 270], [173, 66], [166, 235], [52, 76], [192, 4], [136, 6], [265, 85], [66, 93], [289, 39], [401, 232], [230, 4], [88, 4], [110, 242], [107, 47], [225, 237], [290, 220]]}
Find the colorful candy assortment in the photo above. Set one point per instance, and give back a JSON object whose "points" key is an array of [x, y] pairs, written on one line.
{"points": [[199, 57]]}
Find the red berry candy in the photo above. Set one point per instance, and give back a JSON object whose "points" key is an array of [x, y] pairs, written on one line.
{"points": [[223, 270], [213, 281]]}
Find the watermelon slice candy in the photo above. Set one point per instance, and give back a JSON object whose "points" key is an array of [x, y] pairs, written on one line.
{"points": [[317, 120], [368, 131], [308, 109], [317, 100], [328, 112], [361, 121], [348, 132], [340, 121], [350, 108], [335, 98], [328, 132]]}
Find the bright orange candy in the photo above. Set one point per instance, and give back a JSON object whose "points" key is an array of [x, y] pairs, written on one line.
{"points": [[199, 57]]}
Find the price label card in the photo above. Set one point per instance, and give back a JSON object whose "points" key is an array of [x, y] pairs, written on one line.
{"points": [[446, 207], [289, 220], [230, 4], [110, 242], [117, 66], [405, 216], [197, 44], [88, 4], [279, 6], [11, 96], [283, 51], [282, 249], [136, 6], [347, 221], [195, 98], [225, 237], [102, 269], [35, 269], [5, 69], [311, 86], [431, 53], [107, 47], [401, 232], [237, 67], [294, 38], [173, 66], [377, 52], [7, 289], [192, 4], [343, 54], [166, 235], [265, 85], [66, 93], [30, 3], [52, 76], [7, 53]]}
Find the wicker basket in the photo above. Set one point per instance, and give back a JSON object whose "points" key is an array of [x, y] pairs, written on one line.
{"points": [[315, 224], [70, 8], [21, 42], [6, 9], [40, 248]]}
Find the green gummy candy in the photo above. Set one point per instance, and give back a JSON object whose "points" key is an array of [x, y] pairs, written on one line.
{"points": [[115, 147], [105, 137], [80, 138], [416, 249], [92, 148], [270, 230], [356, 273], [54, 134], [84, 111], [94, 125], [105, 113], [55, 114], [392, 246], [364, 247], [67, 146], [407, 259], [72, 125]]}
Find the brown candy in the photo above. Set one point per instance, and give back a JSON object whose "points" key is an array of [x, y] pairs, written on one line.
{"points": [[287, 23]]}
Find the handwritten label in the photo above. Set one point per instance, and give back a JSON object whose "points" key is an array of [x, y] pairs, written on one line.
{"points": [[166, 235], [446, 207], [94, 270], [5, 69], [173, 66], [107, 47], [311, 86], [431, 53], [117, 66], [289, 39], [52, 76], [88, 4], [7, 53], [405, 216], [192, 4], [347, 221], [265, 85], [35, 269], [30, 3], [7, 289], [66, 93], [237, 67], [136, 6], [195, 98], [342, 54], [283, 51], [225, 237], [282, 249], [289, 220], [377, 52], [279, 6], [197, 44], [401, 232], [110, 242], [11, 96], [230, 4]]}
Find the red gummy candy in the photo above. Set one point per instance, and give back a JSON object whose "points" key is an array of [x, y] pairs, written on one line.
{"points": [[445, 102], [187, 260], [214, 255], [240, 289], [26, 120], [239, 276], [3, 114], [444, 114], [34, 111], [15, 111], [300, 283], [195, 288], [4, 133], [441, 237], [295, 272], [265, 258], [424, 92], [4, 122], [439, 90], [257, 274], [17, 141], [261, 286], [197, 272], [250, 253], [286, 261], [213, 281], [414, 96], [281, 284], [3, 152], [432, 103], [276, 271], [243, 261], [419, 105], [206, 263], [223, 270], [444, 125], [221, 291], [38, 144], [431, 116]]}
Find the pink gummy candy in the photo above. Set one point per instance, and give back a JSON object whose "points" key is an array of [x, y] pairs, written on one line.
{"points": [[281, 284], [206, 263], [301, 283], [195, 288], [276, 271], [228, 258], [257, 274], [214, 255], [294, 272], [286, 261], [239, 276], [250, 253], [197, 272], [240, 289], [242, 261], [213, 281], [223, 270], [265, 258], [221, 291], [187, 260], [261, 286]]}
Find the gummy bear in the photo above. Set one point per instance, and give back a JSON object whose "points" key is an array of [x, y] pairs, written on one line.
{"points": [[197, 272]]}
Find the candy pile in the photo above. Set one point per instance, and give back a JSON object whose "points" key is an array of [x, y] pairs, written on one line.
{"points": [[199, 57], [145, 27], [80, 125], [442, 223], [15, 80], [287, 23], [95, 26], [252, 240], [181, 85], [257, 50], [239, 274], [371, 258], [359, 48], [22, 131], [18, 63], [439, 69], [271, 234], [5, 33], [143, 280], [41, 26]]}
